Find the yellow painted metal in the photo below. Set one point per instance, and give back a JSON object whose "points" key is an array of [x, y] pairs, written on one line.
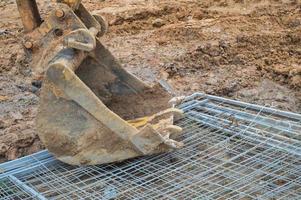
{"points": [[140, 122]]}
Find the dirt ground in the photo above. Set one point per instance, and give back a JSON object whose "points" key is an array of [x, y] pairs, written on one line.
{"points": [[242, 49]]}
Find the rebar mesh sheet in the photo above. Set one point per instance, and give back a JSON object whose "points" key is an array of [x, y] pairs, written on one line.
{"points": [[9, 190], [232, 150]]}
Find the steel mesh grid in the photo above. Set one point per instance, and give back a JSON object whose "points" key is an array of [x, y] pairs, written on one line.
{"points": [[231, 152], [9, 190]]}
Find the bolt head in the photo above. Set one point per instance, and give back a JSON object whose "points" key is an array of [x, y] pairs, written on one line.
{"points": [[28, 45], [59, 13]]}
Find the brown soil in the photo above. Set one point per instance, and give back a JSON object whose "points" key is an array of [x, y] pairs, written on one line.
{"points": [[241, 49]]}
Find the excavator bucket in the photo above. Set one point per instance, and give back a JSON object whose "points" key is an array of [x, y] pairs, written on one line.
{"points": [[91, 110]]}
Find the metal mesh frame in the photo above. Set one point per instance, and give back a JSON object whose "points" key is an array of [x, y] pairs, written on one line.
{"points": [[233, 150], [10, 190]]}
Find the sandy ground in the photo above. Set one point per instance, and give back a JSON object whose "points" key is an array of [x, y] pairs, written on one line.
{"points": [[241, 49]]}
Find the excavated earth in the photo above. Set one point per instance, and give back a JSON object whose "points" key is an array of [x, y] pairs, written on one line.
{"points": [[241, 49]]}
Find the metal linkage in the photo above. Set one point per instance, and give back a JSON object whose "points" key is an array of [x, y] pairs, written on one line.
{"points": [[233, 150]]}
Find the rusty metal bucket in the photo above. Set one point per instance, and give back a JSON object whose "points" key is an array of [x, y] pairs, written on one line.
{"points": [[91, 110]]}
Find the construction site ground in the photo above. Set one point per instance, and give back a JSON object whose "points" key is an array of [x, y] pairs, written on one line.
{"points": [[248, 50]]}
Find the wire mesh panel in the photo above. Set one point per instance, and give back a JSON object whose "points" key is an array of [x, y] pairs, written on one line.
{"points": [[233, 150], [9, 190]]}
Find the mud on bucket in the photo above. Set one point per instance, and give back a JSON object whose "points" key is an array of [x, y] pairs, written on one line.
{"points": [[92, 111]]}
